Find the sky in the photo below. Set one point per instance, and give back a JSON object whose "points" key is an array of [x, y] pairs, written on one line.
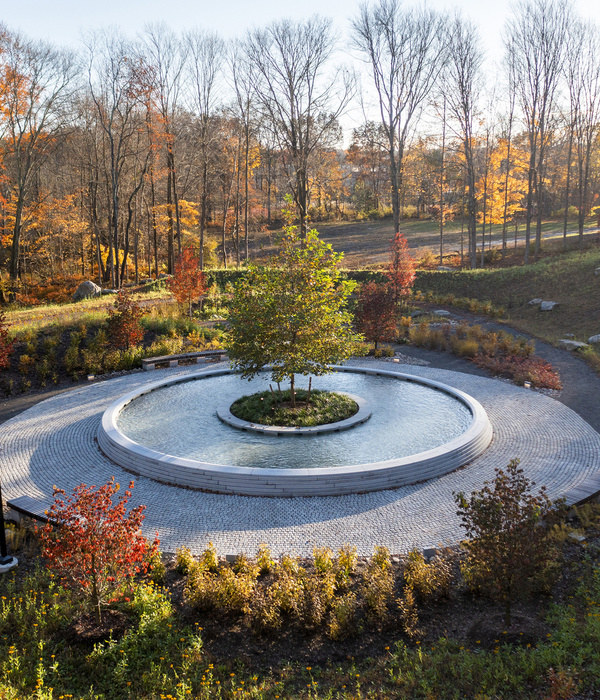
{"points": [[63, 21]]}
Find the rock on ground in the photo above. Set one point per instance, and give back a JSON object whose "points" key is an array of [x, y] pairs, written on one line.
{"points": [[548, 305], [85, 290], [567, 344]]}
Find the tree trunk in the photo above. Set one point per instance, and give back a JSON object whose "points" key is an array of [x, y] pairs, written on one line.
{"points": [[567, 191]]}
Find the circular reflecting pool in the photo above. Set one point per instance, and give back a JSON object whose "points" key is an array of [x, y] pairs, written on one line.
{"points": [[407, 418], [418, 429]]}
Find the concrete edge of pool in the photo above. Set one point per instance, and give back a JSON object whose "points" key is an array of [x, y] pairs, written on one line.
{"points": [[330, 481]]}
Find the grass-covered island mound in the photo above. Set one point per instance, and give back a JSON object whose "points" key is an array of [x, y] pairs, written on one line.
{"points": [[310, 409]]}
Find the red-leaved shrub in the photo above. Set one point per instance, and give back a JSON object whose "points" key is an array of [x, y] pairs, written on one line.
{"points": [[187, 284], [521, 369], [375, 315], [124, 329], [94, 543], [401, 272]]}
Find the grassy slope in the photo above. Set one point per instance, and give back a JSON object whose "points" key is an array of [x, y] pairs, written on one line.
{"points": [[568, 279], [42, 318]]}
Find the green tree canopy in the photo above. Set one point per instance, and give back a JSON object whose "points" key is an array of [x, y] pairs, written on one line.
{"points": [[292, 314]]}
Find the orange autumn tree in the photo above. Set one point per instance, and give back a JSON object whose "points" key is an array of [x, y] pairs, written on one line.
{"points": [[401, 272], [188, 282], [93, 543]]}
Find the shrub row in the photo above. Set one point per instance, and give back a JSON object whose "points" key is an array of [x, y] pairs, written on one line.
{"points": [[329, 591], [499, 352]]}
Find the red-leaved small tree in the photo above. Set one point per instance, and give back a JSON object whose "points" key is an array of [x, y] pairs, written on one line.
{"points": [[188, 283], [124, 329], [93, 543], [375, 315], [6, 344], [401, 271]]}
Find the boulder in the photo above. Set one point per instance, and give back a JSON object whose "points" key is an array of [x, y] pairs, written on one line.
{"points": [[442, 312], [109, 291], [548, 305], [594, 338], [535, 302], [566, 344], [86, 290], [164, 276]]}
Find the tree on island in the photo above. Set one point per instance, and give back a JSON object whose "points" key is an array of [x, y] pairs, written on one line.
{"points": [[292, 314]]}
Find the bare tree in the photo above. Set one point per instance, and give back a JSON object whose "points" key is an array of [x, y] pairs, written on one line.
{"points": [[243, 83], [164, 56], [299, 100], [535, 43], [403, 49], [510, 119], [583, 77], [115, 88], [461, 83], [35, 111], [207, 54]]}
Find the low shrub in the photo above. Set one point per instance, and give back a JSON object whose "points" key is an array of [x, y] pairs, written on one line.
{"points": [[184, 560], [343, 623], [345, 565], [264, 560], [224, 589], [209, 559], [538, 372], [409, 613], [25, 364], [429, 581], [378, 585], [463, 347], [323, 559], [501, 353]]}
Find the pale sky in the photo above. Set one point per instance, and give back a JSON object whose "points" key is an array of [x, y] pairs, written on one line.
{"points": [[61, 20]]}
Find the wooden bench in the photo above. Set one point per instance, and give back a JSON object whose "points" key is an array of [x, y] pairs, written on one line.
{"points": [[31, 507], [149, 363]]}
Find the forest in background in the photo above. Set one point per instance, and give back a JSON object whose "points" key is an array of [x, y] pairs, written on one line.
{"points": [[116, 157]]}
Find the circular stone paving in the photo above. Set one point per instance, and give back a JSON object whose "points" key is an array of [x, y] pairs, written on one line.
{"points": [[54, 443]]}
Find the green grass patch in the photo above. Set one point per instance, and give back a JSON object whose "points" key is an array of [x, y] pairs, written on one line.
{"points": [[274, 408]]}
